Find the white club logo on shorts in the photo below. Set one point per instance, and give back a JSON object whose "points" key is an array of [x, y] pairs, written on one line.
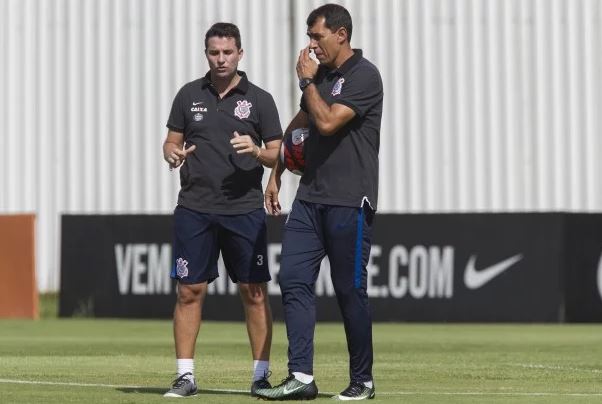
{"points": [[243, 109], [181, 268], [338, 86]]}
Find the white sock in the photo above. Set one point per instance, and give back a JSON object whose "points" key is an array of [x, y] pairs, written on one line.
{"points": [[303, 378], [260, 369], [369, 384], [185, 366]]}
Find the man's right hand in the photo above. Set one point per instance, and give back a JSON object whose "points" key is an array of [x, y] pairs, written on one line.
{"points": [[175, 156], [272, 204]]}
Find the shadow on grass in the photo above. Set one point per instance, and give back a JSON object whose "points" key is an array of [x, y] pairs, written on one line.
{"points": [[162, 390], [324, 395], [144, 390]]}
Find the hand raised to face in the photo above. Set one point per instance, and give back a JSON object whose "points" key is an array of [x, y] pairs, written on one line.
{"points": [[306, 66]]}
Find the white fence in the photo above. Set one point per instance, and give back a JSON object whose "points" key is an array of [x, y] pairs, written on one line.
{"points": [[490, 105]]}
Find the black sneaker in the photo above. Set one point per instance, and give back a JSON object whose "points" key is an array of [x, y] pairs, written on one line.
{"points": [[261, 384], [183, 386], [356, 391], [289, 389]]}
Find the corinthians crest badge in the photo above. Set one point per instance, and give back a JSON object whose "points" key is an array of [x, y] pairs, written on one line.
{"points": [[181, 268], [338, 86], [243, 109]]}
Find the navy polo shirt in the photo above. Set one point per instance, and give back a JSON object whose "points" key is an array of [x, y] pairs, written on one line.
{"points": [[214, 179], [342, 169]]}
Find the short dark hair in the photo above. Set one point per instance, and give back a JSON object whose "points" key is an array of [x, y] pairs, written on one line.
{"points": [[223, 29], [335, 17]]}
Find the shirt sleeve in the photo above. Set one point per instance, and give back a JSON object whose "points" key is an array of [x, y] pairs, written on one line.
{"points": [[177, 118], [361, 90], [269, 120]]}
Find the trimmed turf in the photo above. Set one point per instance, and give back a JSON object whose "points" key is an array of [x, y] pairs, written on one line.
{"points": [[414, 363]]}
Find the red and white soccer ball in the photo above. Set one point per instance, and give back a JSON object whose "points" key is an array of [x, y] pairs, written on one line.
{"points": [[292, 153]]}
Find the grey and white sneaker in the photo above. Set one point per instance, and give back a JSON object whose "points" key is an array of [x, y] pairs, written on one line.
{"points": [[183, 386], [356, 391]]}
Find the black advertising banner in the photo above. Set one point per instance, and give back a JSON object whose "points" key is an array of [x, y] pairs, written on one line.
{"points": [[119, 266], [423, 267], [468, 267], [583, 275], [116, 266]]}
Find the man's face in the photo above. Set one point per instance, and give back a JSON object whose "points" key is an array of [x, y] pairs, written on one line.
{"points": [[223, 56], [325, 43]]}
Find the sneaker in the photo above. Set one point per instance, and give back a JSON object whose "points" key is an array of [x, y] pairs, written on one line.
{"points": [[260, 384], [289, 389], [356, 391], [183, 386]]}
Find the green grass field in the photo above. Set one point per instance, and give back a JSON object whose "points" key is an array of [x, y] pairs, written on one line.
{"points": [[131, 361]]}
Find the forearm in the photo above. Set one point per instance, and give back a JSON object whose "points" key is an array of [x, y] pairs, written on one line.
{"points": [[266, 157], [319, 111], [277, 171]]}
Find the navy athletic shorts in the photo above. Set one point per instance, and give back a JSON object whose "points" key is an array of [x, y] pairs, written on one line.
{"points": [[199, 238]]}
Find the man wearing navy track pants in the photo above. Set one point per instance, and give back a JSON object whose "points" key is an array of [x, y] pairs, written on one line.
{"points": [[335, 203]]}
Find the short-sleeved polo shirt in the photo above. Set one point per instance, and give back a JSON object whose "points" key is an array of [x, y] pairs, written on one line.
{"points": [[214, 179], [342, 169]]}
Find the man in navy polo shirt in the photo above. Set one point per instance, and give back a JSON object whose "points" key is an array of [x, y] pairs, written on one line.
{"points": [[216, 127], [335, 203]]}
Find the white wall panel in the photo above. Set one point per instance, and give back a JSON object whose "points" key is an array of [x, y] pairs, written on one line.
{"points": [[490, 105]]}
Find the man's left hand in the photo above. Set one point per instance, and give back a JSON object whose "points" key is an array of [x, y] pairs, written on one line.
{"points": [[244, 144]]}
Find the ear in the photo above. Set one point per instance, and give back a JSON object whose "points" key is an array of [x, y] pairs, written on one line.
{"points": [[240, 54], [342, 36]]}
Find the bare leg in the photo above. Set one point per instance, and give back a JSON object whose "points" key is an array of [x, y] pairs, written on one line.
{"points": [[259, 318], [187, 318]]}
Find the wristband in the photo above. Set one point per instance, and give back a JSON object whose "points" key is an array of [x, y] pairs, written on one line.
{"points": [[303, 83]]}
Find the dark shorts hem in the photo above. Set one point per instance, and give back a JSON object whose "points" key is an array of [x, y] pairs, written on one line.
{"points": [[192, 281]]}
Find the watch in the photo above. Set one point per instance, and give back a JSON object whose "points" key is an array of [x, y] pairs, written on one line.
{"points": [[303, 83]]}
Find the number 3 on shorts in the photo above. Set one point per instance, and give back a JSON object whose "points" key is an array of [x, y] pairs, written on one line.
{"points": [[259, 259]]}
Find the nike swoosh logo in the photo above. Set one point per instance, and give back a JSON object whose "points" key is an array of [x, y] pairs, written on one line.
{"points": [[287, 391], [474, 279], [197, 103]]}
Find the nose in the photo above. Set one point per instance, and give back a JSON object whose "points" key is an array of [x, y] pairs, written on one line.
{"points": [[221, 59], [313, 44]]}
